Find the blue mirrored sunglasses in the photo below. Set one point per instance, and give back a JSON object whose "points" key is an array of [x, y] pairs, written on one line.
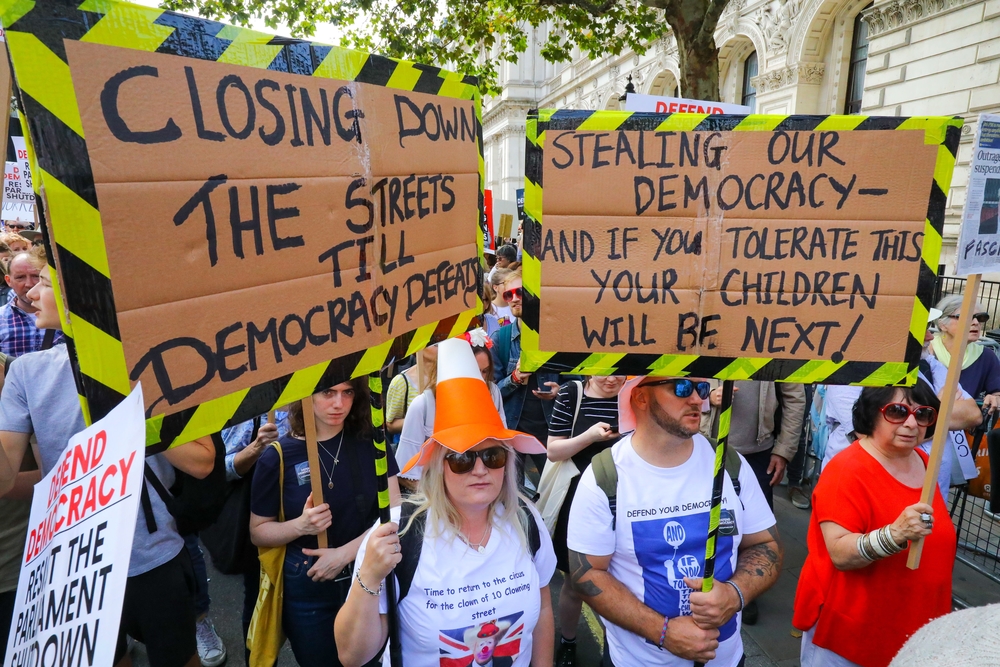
{"points": [[684, 388]]}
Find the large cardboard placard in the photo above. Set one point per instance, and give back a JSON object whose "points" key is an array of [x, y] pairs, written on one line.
{"points": [[232, 211], [76, 554], [733, 246]]}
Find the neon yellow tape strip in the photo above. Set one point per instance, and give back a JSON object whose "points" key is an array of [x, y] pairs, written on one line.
{"points": [[598, 364], [302, 383], [759, 123], [842, 123], [742, 368], [248, 47], [671, 365], [211, 416], [681, 122], [531, 273], [604, 120], [105, 357], [153, 427], [373, 359], [888, 374], [815, 371], [464, 320], [44, 76], [944, 168], [421, 338], [404, 77], [11, 12], [126, 25], [83, 236], [343, 64]]}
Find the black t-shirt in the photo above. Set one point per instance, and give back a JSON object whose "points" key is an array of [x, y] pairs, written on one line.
{"points": [[532, 420], [592, 410], [353, 476]]}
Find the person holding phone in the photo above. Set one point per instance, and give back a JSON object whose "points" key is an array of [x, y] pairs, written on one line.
{"points": [[527, 397]]}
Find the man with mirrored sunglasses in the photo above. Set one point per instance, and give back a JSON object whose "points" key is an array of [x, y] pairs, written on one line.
{"points": [[637, 544]]}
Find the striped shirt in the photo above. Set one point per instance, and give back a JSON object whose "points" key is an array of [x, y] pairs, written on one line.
{"points": [[592, 410]]}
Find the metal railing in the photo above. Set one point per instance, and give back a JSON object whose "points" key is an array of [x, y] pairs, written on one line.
{"points": [[989, 297]]}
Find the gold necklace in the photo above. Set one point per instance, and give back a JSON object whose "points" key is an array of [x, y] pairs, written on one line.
{"points": [[336, 460]]}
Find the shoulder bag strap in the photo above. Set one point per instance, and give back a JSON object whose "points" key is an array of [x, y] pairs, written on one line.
{"points": [[576, 410], [410, 544], [606, 475]]}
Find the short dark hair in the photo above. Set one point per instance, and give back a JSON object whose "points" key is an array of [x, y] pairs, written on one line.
{"points": [[359, 419], [866, 410], [507, 251]]}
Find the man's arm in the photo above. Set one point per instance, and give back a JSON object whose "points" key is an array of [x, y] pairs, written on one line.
{"points": [[793, 414], [24, 485], [611, 599], [196, 458], [12, 448]]}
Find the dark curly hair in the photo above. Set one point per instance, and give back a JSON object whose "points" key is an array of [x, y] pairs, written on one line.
{"points": [[866, 410], [359, 419]]}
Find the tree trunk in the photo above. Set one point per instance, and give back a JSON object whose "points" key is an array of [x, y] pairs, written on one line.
{"points": [[693, 23]]}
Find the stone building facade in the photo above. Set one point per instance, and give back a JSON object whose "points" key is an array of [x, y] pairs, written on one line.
{"points": [[893, 57]]}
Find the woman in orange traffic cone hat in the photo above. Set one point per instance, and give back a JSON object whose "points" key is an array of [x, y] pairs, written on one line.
{"points": [[472, 546]]}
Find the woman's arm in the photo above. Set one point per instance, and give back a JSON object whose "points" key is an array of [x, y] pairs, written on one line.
{"points": [[267, 531], [543, 637], [196, 458], [24, 485], [561, 448], [357, 642], [245, 459], [842, 544]]}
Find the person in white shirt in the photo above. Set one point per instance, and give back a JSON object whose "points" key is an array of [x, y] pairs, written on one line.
{"points": [[640, 568], [478, 563]]}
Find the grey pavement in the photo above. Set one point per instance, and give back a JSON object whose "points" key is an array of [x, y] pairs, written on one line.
{"points": [[770, 643]]}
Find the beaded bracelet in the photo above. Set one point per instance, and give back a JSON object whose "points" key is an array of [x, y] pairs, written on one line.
{"points": [[663, 633], [381, 585], [738, 592]]}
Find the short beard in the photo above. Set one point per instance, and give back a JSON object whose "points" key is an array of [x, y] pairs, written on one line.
{"points": [[668, 423]]}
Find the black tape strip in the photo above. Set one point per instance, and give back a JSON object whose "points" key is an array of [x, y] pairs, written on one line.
{"points": [[297, 56], [377, 70], [926, 282], [565, 119], [443, 328], [706, 367], [778, 369], [88, 293], [259, 400], [100, 398], [799, 123], [53, 22], [533, 157], [339, 370], [530, 309], [430, 80], [853, 371], [564, 362], [881, 123], [59, 150], [192, 37], [952, 135], [719, 123], [471, 80], [643, 121], [936, 207], [532, 232], [914, 350]]}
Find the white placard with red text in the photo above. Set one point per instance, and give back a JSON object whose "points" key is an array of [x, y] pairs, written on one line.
{"points": [[18, 197], [659, 104], [76, 556]]}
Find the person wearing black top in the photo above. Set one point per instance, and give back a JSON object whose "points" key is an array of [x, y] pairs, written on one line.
{"points": [[580, 435], [316, 581]]}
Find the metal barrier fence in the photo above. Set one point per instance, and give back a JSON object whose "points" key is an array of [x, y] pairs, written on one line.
{"points": [[978, 532], [989, 297]]}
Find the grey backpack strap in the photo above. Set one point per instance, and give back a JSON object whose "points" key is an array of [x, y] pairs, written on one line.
{"points": [[732, 463], [606, 475]]}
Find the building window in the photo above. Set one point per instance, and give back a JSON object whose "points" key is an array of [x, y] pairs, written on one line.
{"points": [[859, 62], [749, 98]]}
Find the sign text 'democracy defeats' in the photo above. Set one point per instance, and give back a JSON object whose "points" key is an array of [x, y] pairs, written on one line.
{"points": [[783, 244]]}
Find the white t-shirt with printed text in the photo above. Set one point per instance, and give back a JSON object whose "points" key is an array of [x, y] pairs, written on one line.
{"points": [[662, 527], [465, 605]]}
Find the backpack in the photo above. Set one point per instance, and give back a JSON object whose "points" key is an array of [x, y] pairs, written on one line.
{"points": [[194, 503], [412, 541], [606, 475], [504, 338]]}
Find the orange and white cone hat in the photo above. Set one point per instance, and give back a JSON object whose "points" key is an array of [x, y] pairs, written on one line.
{"points": [[464, 413]]}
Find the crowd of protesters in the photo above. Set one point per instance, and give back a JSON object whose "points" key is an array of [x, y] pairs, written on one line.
{"points": [[502, 473]]}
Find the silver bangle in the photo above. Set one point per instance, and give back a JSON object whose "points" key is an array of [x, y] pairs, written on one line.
{"points": [[381, 585], [738, 592]]}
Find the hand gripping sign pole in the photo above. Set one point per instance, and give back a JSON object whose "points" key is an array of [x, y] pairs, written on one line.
{"points": [[312, 452], [947, 403], [725, 414], [378, 383]]}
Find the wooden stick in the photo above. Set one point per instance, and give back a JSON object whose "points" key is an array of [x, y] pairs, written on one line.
{"points": [[312, 451], [420, 370], [947, 403], [271, 418]]}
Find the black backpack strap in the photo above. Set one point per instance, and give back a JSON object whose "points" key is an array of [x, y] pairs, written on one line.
{"points": [[534, 538], [733, 464], [410, 544], [147, 510], [161, 491], [606, 475]]}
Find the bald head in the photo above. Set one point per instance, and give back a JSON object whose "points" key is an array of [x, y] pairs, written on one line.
{"points": [[22, 275]]}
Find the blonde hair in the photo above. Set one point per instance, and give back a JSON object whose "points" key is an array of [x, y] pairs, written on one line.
{"points": [[10, 238], [513, 275], [432, 499], [498, 277]]}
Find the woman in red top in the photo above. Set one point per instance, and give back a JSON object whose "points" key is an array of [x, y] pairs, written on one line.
{"points": [[857, 602]]}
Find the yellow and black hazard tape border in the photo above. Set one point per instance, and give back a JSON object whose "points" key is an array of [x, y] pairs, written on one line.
{"points": [[942, 132], [35, 31]]}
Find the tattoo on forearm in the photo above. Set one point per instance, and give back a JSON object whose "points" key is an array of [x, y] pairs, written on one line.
{"points": [[759, 560], [578, 568]]}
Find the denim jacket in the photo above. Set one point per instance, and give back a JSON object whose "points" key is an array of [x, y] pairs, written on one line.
{"points": [[514, 394]]}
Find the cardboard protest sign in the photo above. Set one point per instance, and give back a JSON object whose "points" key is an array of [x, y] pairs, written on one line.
{"points": [[234, 210], [18, 197], [979, 240], [76, 557], [660, 104], [759, 247]]}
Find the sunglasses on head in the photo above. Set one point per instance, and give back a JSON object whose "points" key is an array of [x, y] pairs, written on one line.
{"points": [[511, 293], [493, 458], [684, 388], [897, 413], [982, 318]]}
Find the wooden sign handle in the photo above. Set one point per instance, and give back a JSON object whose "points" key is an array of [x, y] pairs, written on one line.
{"points": [[947, 403], [271, 418], [312, 451]]}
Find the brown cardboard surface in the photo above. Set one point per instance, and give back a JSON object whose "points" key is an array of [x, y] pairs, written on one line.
{"points": [[365, 232], [820, 261]]}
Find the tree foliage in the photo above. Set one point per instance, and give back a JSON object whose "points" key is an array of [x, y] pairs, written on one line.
{"points": [[474, 36]]}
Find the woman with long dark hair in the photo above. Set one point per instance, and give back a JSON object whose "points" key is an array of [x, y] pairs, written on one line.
{"points": [[316, 581]]}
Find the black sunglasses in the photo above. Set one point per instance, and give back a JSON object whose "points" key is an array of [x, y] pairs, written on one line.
{"points": [[511, 293], [684, 388], [897, 413], [982, 318], [493, 458]]}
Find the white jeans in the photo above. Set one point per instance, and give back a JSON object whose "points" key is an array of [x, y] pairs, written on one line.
{"points": [[817, 656]]}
